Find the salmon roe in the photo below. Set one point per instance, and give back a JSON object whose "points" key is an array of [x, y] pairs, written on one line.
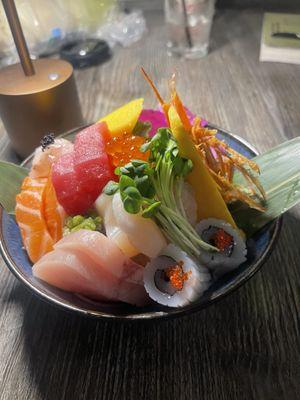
{"points": [[222, 240], [176, 276], [122, 149]]}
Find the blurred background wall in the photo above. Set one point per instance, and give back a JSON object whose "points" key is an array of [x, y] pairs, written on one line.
{"points": [[279, 5]]}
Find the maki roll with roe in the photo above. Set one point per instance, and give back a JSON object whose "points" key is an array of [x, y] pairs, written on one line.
{"points": [[228, 241]]}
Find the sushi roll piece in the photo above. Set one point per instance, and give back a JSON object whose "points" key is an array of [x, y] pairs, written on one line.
{"points": [[174, 279], [232, 248]]}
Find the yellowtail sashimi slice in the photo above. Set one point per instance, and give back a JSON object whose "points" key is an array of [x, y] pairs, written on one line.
{"points": [[210, 203], [67, 271], [95, 247], [72, 268], [70, 272]]}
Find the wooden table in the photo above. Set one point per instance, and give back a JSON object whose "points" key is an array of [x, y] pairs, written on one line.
{"points": [[245, 347]]}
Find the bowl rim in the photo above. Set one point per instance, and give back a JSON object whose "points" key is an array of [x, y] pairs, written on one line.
{"points": [[161, 314]]}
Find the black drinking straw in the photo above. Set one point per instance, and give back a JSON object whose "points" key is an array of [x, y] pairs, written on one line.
{"points": [[186, 25]]}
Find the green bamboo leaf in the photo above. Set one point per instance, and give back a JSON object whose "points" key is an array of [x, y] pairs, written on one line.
{"points": [[280, 177], [11, 178]]}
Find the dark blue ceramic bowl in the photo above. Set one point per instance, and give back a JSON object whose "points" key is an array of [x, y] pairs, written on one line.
{"points": [[259, 247]]}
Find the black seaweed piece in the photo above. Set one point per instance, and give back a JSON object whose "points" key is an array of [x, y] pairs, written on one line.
{"points": [[47, 140]]}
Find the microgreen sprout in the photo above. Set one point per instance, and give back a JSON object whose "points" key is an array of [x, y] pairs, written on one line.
{"points": [[154, 189]]}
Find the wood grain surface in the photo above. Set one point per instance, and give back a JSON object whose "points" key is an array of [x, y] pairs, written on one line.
{"points": [[245, 347]]}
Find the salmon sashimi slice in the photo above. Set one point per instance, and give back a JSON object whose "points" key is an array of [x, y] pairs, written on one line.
{"points": [[29, 216], [54, 213], [44, 158], [70, 267]]}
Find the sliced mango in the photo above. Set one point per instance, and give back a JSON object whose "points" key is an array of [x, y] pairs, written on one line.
{"points": [[210, 203], [124, 119]]}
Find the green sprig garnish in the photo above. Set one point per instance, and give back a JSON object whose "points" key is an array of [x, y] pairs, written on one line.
{"points": [[154, 189], [136, 188], [170, 169]]}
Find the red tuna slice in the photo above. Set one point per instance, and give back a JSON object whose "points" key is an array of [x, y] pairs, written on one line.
{"points": [[91, 162], [67, 187]]}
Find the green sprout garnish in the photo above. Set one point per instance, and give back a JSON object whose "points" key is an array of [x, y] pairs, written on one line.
{"points": [[136, 188], [154, 189]]}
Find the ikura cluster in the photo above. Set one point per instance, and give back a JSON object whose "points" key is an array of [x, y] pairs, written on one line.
{"points": [[124, 148]]}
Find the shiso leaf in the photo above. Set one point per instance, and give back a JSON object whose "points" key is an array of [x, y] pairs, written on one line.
{"points": [[280, 177], [11, 178]]}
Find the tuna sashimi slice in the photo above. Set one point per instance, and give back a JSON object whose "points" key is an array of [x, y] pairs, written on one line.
{"points": [[91, 161], [67, 187]]}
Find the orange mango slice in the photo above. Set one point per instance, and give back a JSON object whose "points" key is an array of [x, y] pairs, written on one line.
{"points": [[210, 203], [124, 119]]}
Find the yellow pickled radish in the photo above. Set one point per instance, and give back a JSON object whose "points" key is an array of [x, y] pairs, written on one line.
{"points": [[210, 203], [124, 119]]}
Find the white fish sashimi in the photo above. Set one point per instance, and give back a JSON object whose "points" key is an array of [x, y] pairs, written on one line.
{"points": [[102, 203], [115, 233], [43, 159], [143, 233], [104, 207], [78, 265]]}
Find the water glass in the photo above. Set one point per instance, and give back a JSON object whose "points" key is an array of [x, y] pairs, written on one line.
{"points": [[188, 26]]}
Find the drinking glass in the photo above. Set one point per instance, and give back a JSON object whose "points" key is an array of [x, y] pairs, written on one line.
{"points": [[188, 26]]}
